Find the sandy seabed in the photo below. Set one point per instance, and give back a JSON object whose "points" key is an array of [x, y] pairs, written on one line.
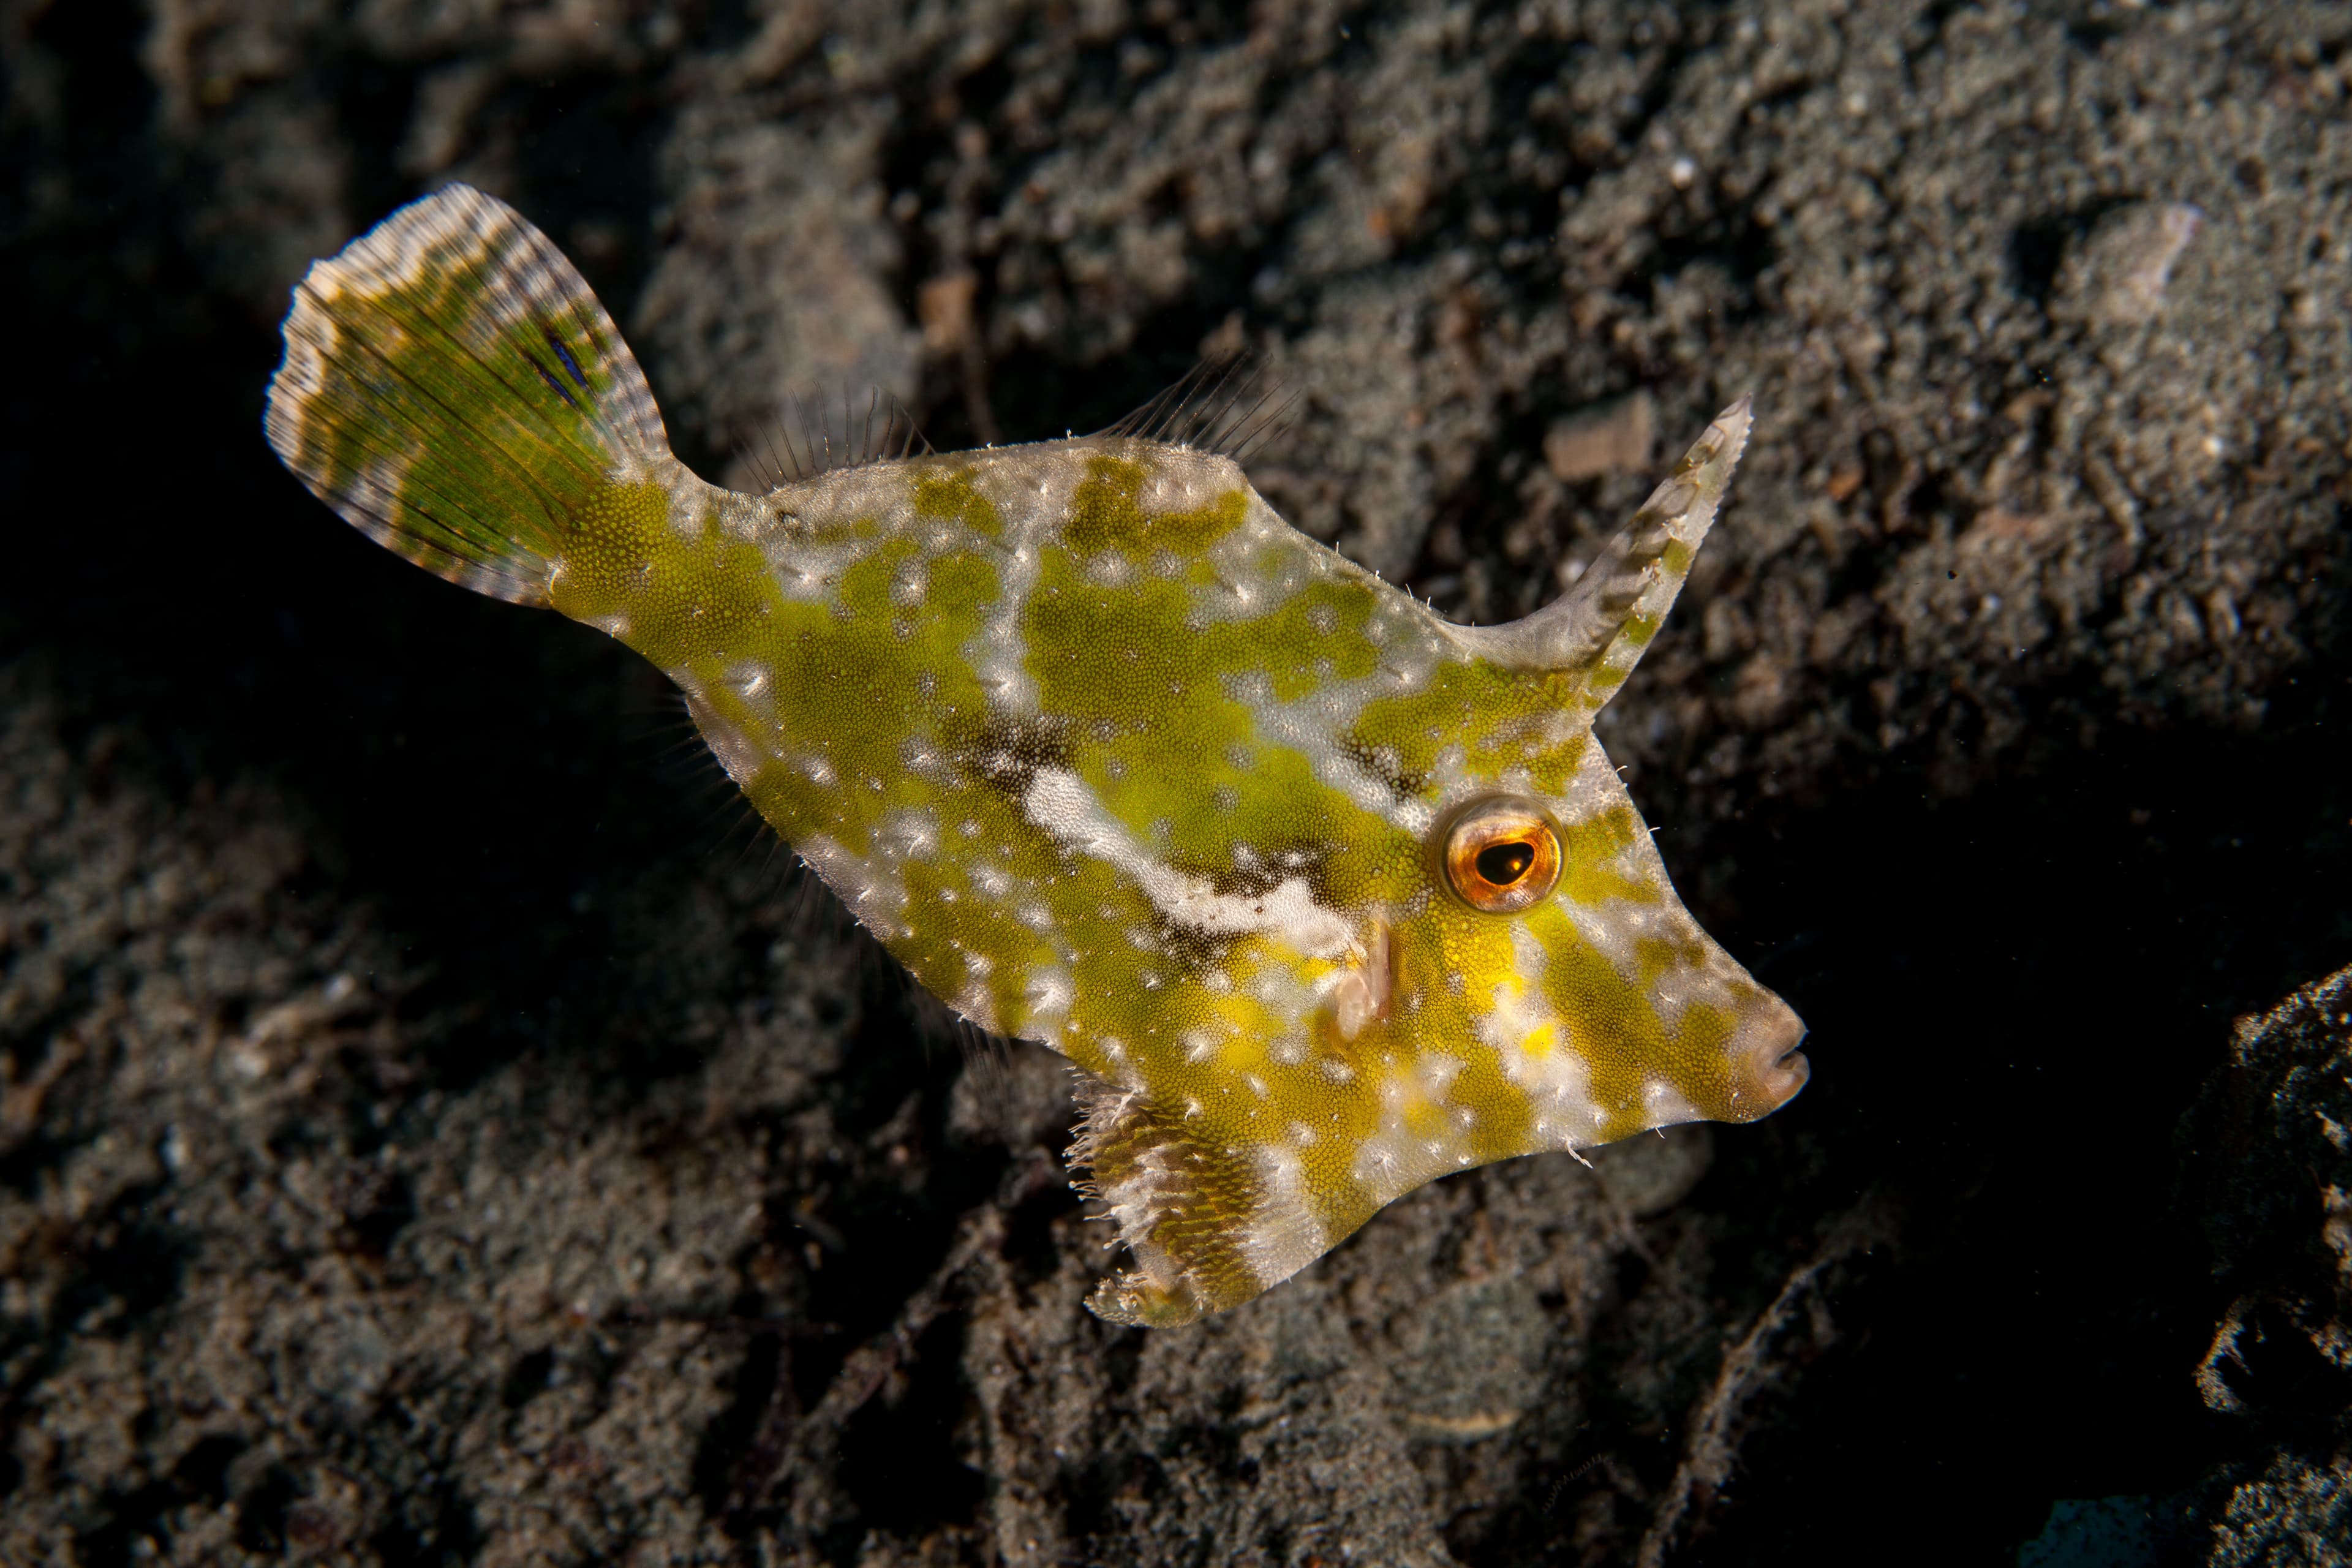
{"points": [[434, 1127]]}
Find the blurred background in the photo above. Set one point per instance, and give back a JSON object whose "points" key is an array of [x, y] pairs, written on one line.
{"points": [[436, 1127]]}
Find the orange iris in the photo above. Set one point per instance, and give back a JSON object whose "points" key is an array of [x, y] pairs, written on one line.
{"points": [[1502, 856]]}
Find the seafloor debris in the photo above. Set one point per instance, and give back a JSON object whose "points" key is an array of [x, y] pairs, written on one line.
{"points": [[2117, 275]]}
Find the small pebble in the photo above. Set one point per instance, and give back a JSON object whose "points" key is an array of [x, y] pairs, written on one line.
{"points": [[2118, 274]]}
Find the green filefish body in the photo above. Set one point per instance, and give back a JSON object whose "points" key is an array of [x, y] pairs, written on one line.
{"points": [[1325, 895]]}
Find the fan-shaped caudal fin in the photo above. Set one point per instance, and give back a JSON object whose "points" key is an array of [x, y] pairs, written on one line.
{"points": [[453, 388], [1599, 627]]}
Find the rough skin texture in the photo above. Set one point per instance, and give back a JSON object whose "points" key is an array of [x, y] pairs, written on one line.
{"points": [[2001, 725], [1107, 754]]}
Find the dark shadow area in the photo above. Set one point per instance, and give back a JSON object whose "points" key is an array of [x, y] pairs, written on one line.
{"points": [[902, 1457], [2013, 999]]}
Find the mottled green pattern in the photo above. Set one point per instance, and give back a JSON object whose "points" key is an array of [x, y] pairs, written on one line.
{"points": [[492, 417], [1106, 754]]}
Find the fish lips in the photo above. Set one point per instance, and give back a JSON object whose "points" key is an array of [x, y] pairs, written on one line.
{"points": [[1769, 1068]]}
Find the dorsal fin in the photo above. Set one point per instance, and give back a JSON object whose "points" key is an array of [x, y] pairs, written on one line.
{"points": [[1226, 406], [1600, 626], [818, 436]]}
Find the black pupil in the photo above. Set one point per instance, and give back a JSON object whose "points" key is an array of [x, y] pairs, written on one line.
{"points": [[1503, 864]]}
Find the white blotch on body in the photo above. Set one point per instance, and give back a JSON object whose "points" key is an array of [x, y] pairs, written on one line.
{"points": [[1282, 1235], [1061, 802]]}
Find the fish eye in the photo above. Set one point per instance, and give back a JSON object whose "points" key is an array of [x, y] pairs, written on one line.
{"points": [[1502, 856]]}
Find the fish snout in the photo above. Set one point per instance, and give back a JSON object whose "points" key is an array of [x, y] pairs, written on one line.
{"points": [[1768, 1068]]}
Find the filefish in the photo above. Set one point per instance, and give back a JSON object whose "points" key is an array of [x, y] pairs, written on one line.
{"points": [[1325, 896]]}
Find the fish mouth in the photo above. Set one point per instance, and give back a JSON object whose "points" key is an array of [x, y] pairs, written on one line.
{"points": [[1768, 1067]]}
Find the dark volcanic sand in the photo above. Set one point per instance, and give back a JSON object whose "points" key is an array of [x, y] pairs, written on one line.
{"points": [[433, 1128]]}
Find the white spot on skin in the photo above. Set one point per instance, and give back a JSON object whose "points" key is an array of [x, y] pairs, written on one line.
{"points": [[974, 1003], [1436, 1072], [908, 588], [873, 893], [1662, 1105], [1048, 997], [736, 752], [746, 678], [911, 835]]}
